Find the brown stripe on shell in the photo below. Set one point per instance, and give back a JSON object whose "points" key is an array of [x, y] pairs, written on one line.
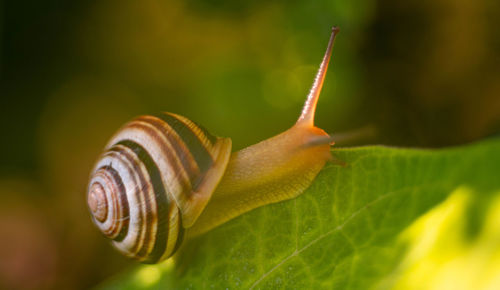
{"points": [[129, 158], [180, 235], [173, 231], [102, 174], [173, 160], [206, 139], [124, 206], [149, 225], [117, 224], [162, 201], [181, 151], [194, 138]]}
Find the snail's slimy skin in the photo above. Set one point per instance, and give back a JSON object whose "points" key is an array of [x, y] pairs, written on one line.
{"points": [[262, 174]]}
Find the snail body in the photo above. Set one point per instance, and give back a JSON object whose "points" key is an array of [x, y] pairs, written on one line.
{"points": [[163, 177]]}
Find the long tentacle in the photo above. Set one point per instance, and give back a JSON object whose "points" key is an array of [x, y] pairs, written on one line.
{"points": [[307, 116]]}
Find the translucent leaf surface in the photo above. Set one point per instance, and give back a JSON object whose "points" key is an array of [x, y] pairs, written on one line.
{"points": [[356, 227]]}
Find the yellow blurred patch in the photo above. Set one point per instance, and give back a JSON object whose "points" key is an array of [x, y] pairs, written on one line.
{"points": [[441, 257], [149, 275]]}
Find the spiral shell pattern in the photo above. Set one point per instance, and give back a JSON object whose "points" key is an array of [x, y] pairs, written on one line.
{"points": [[150, 174]]}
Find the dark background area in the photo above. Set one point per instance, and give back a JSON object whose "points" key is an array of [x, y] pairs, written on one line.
{"points": [[423, 73]]}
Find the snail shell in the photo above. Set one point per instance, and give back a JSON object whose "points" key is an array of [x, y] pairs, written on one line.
{"points": [[153, 180]]}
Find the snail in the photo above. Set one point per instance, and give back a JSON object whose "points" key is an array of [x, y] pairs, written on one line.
{"points": [[162, 177]]}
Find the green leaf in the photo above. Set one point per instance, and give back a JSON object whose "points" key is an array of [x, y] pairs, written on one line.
{"points": [[357, 227]]}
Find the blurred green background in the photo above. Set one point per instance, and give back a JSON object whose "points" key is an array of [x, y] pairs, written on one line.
{"points": [[423, 73]]}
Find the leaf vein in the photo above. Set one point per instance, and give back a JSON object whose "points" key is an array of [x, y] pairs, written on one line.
{"points": [[330, 232]]}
